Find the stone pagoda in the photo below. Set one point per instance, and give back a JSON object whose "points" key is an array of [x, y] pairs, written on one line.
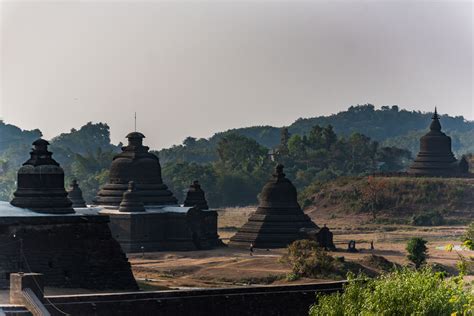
{"points": [[40, 185], [75, 195], [278, 221], [435, 157], [135, 164], [42, 233], [144, 215], [196, 196]]}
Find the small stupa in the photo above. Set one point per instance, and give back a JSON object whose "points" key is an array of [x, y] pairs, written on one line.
{"points": [[278, 220], [196, 196], [135, 164], [435, 157], [75, 195], [40, 185], [131, 200]]}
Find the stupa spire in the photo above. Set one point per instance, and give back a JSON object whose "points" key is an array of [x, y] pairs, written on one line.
{"points": [[435, 124]]}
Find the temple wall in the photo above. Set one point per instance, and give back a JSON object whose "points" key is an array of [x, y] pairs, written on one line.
{"points": [[255, 301], [137, 232], [71, 251]]}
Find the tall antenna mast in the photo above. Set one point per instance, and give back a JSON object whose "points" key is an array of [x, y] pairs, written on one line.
{"points": [[135, 121]]}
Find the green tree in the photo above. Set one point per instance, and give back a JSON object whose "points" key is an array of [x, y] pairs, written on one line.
{"points": [[417, 251], [241, 153]]}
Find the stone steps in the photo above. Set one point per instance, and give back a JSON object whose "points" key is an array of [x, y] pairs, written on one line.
{"points": [[14, 310]]}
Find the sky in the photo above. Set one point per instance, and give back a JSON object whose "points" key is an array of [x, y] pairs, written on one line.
{"points": [[193, 68]]}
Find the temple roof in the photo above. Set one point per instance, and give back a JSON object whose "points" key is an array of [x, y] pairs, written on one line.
{"points": [[135, 163], [279, 192]]}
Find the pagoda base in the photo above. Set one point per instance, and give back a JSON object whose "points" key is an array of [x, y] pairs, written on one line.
{"points": [[169, 228], [74, 251], [272, 231]]}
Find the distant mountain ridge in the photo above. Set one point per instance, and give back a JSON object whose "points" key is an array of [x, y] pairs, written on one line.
{"points": [[388, 125]]}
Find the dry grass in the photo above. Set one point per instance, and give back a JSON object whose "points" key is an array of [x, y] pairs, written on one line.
{"points": [[225, 267]]}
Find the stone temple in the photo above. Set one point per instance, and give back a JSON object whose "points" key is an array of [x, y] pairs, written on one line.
{"points": [[41, 232], [435, 157], [278, 220], [144, 215]]}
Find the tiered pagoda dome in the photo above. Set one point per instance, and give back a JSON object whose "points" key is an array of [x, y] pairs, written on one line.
{"points": [[435, 157], [279, 218], [135, 164], [196, 197], [41, 183]]}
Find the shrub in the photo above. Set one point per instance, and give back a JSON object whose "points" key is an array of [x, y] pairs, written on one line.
{"points": [[308, 259], [428, 219], [417, 251], [469, 234], [403, 292]]}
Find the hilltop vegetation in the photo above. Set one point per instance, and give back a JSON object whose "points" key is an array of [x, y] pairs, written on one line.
{"points": [[389, 126], [406, 199]]}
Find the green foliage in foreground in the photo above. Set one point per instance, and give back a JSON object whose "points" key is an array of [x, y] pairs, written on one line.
{"points": [[403, 292]]}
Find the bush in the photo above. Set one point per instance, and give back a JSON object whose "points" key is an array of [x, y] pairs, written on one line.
{"points": [[417, 251], [308, 259], [403, 292], [428, 219], [469, 234]]}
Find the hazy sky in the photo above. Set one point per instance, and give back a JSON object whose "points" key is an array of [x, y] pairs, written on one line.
{"points": [[195, 68]]}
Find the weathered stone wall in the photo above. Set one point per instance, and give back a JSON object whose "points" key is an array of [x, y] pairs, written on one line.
{"points": [[287, 300], [71, 251], [165, 231]]}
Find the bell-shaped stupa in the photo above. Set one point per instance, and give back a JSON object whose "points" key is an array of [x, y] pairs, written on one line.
{"points": [[75, 195], [279, 218], [196, 197], [131, 201], [435, 157], [40, 185], [135, 164]]}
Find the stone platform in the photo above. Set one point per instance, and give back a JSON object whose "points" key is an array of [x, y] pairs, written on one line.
{"points": [[163, 228], [71, 250]]}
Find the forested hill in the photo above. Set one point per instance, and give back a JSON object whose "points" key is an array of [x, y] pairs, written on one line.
{"points": [[388, 125], [355, 142], [11, 135]]}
